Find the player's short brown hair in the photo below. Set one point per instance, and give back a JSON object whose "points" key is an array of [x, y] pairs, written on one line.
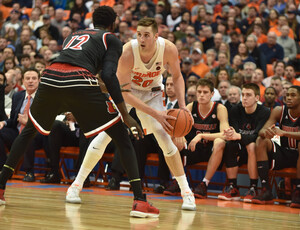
{"points": [[206, 82], [252, 86], [146, 22]]}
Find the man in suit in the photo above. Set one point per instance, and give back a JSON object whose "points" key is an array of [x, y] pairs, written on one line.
{"points": [[10, 128]]}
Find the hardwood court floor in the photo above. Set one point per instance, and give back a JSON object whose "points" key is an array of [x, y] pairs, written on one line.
{"points": [[38, 206]]}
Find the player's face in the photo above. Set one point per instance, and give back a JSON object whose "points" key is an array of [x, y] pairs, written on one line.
{"points": [[204, 94], [146, 38], [292, 98], [248, 98]]}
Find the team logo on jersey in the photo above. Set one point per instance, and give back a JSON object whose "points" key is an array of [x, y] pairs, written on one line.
{"points": [[111, 107], [213, 116], [248, 126]]}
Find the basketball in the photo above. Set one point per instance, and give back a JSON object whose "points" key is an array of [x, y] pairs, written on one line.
{"points": [[183, 125]]}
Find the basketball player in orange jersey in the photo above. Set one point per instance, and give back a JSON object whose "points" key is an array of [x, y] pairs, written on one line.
{"points": [[142, 63]]}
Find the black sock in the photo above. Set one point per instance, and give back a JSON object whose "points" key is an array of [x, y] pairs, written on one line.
{"points": [[233, 182], [253, 183], [117, 175], [263, 172], [6, 173], [136, 186]]}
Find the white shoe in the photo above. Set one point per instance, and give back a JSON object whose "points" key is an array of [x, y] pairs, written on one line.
{"points": [[188, 202], [72, 195]]}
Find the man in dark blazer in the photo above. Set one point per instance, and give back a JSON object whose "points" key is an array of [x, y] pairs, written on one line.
{"points": [[10, 128]]}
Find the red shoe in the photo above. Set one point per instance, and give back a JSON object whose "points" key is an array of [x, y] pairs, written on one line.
{"points": [[143, 209], [231, 193], [201, 191], [252, 192], [2, 199]]}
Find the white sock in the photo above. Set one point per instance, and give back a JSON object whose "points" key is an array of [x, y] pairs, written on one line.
{"points": [[93, 154], [206, 181], [183, 184]]}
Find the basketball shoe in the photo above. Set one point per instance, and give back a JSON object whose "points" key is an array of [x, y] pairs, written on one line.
{"points": [[264, 197], [173, 189], [201, 191], [2, 199], [296, 199], [188, 201], [73, 194], [231, 193], [252, 192], [143, 209]]}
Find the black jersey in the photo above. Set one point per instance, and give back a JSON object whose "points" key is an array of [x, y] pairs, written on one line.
{"points": [[248, 125], [208, 123], [289, 124], [88, 49]]}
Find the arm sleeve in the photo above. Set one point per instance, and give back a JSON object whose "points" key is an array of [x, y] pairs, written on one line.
{"points": [[110, 64], [260, 119]]}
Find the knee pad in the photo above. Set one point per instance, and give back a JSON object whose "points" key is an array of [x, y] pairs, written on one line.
{"points": [[99, 143], [230, 154], [165, 142]]}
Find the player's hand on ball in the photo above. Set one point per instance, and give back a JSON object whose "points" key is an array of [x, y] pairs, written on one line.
{"points": [[162, 117]]}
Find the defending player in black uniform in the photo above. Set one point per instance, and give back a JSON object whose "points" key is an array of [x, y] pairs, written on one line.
{"points": [[270, 155], [69, 84], [246, 120], [206, 137]]}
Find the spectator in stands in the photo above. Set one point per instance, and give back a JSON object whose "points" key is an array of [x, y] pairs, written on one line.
{"points": [[79, 7], [191, 94], [223, 64], [246, 120], [258, 31], [285, 85], [199, 67], [174, 17], [52, 30], [249, 68], [218, 39], [144, 11], [10, 84], [211, 56], [3, 99], [186, 68], [223, 87], [276, 83], [237, 80], [213, 79], [66, 31], [282, 156], [255, 53], [3, 43], [282, 21], [272, 19], [11, 36], [58, 20], [247, 22], [13, 22], [279, 67], [234, 95], [24, 38], [9, 63], [244, 53], [288, 44], [208, 42], [257, 78], [26, 62], [290, 75], [272, 50], [40, 66], [35, 21], [237, 63], [270, 96]]}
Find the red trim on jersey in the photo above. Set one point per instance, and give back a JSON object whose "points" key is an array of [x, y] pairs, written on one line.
{"points": [[281, 115], [37, 126], [104, 39], [65, 67], [291, 118], [101, 130], [209, 112]]}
